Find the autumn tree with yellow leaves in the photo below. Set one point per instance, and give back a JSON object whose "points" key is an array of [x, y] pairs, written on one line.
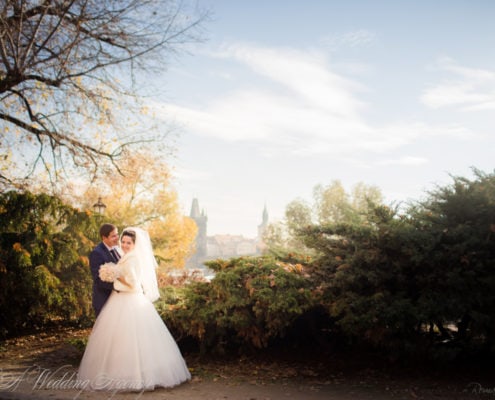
{"points": [[143, 196], [72, 118]]}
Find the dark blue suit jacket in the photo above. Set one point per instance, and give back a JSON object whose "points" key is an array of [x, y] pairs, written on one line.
{"points": [[101, 290]]}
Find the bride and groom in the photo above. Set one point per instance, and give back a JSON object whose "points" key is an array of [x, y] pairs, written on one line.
{"points": [[130, 348]]}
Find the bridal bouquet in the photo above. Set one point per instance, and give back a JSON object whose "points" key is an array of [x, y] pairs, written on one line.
{"points": [[109, 272]]}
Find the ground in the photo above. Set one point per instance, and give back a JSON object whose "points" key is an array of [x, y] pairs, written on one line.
{"points": [[42, 366]]}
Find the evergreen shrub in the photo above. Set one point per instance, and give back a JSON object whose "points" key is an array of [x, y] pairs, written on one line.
{"points": [[44, 272], [249, 302]]}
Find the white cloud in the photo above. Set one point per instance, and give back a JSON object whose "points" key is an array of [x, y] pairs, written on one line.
{"points": [[303, 108], [471, 74], [305, 74], [407, 160], [470, 89], [189, 174], [359, 38]]}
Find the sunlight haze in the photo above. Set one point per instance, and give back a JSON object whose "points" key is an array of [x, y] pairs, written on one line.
{"points": [[283, 96]]}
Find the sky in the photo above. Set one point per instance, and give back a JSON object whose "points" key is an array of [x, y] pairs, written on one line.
{"points": [[286, 95]]}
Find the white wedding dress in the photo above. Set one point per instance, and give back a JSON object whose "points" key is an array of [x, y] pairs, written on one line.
{"points": [[130, 348]]}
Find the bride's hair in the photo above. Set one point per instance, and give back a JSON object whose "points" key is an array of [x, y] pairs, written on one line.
{"points": [[131, 234]]}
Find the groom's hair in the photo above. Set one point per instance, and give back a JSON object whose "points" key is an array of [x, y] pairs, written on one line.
{"points": [[106, 229]]}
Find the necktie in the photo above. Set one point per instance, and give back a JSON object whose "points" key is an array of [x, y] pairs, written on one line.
{"points": [[115, 255]]}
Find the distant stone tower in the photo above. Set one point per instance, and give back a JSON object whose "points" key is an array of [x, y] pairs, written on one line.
{"points": [[201, 221], [261, 231]]}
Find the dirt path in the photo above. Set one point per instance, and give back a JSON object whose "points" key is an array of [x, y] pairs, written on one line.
{"points": [[44, 366], [210, 390]]}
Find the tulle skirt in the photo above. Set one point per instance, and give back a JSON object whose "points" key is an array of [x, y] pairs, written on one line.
{"points": [[130, 348]]}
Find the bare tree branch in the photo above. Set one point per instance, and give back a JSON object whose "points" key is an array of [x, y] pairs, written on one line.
{"points": [[58, 61]]}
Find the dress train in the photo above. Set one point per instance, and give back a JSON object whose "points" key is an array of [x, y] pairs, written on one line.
{"points": [[130, 348]]}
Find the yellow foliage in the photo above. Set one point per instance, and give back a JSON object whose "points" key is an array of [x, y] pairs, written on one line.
{"points": [[144, 197], [289, 267]]}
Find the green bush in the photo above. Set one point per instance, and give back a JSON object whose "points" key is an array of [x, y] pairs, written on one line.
{"points": [[249, 302], [418, 282], [44, 274]]}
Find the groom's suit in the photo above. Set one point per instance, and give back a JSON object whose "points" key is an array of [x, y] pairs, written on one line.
{"points": [[101, 290]]}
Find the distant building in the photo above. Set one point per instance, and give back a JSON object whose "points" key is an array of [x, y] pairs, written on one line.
{"points": [[222, 246], [261, 231], [201, 221], [227, 246]]}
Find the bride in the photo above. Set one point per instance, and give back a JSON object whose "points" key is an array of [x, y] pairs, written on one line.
{"points": [[130, 348]]}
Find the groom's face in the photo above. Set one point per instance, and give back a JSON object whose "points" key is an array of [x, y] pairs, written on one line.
{"points": [[112, 239]]}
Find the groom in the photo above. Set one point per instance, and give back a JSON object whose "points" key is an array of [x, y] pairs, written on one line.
{"points": [[104, 252]]}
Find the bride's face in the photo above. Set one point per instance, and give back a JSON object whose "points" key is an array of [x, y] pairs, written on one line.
{"points": [[126, 244]]}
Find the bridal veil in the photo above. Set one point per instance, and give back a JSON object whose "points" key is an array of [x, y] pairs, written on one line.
{"points": [[147, 263]]}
